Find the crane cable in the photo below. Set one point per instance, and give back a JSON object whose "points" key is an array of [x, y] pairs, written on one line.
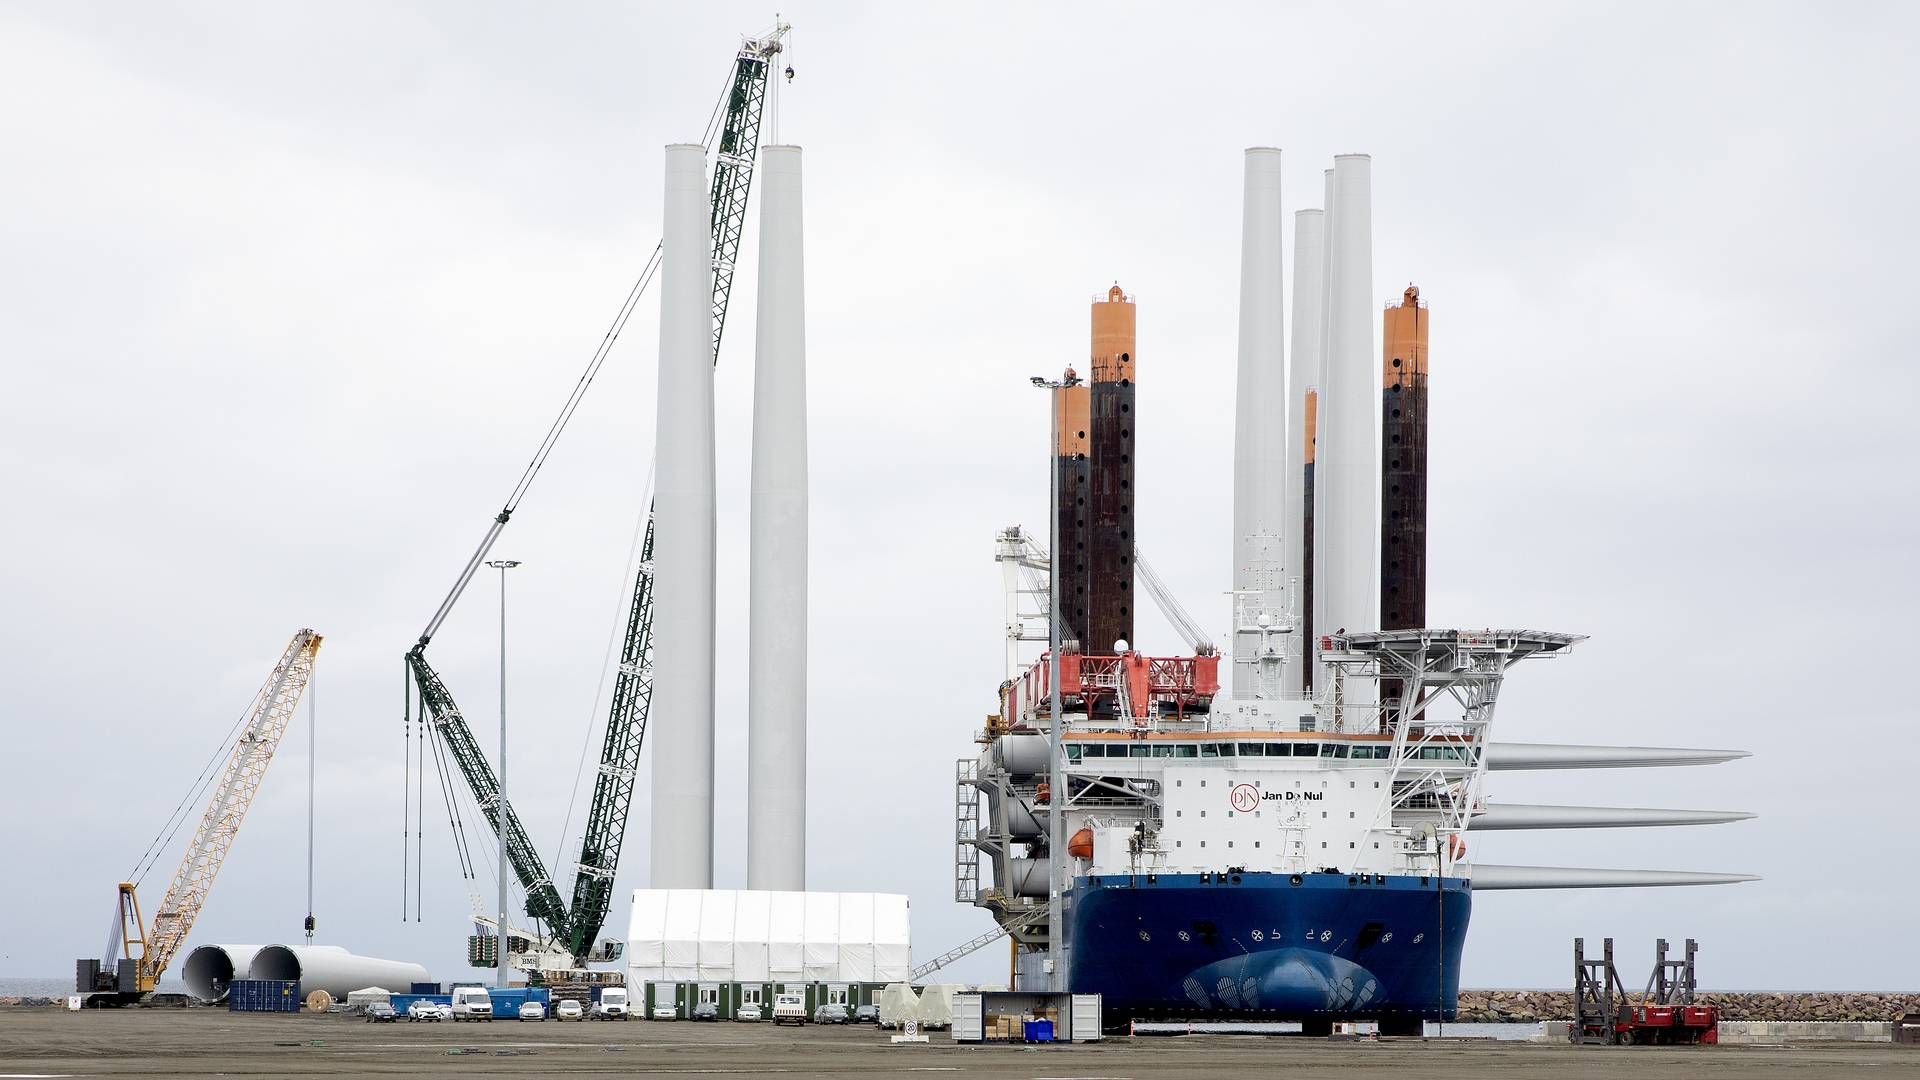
{"points": [[171, 826], [628, 572]]}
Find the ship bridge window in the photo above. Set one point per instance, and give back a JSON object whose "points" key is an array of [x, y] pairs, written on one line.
{"points": [[1376, 753], [1073, 754], [1250, 749], [1306, 749], [1185, 750], [1335, 750], [1211, 750], [1277, 749]]}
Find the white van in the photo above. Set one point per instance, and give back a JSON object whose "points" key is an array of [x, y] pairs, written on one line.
{"points": [[472, 1003], [612, 1004], [790, 1008]]}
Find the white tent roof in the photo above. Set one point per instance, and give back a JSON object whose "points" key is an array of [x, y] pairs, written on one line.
{"points": [[726, 935]]}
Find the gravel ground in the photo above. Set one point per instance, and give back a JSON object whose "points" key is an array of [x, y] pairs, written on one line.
{"points": [[207, 1042]]}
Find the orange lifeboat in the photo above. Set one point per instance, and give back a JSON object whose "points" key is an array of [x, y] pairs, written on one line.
{"points": [[1456, 847], [1081, 846]]}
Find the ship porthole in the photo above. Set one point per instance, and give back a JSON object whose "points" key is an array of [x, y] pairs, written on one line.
{"points": [[1294, 880], [1236, 879]]}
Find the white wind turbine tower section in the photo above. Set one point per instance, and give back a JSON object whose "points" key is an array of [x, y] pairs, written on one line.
{"points": [[777, 629], [1303, 372], [1260, 441], [683, 514], [1346, 481]]}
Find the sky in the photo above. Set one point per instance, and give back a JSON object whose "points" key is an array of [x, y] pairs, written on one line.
{"points": [[292, 292]]}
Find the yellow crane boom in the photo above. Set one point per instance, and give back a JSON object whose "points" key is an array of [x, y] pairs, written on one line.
{"points": [[246, 766]]}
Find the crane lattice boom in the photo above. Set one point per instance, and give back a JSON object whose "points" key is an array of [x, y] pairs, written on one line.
{"points": [[260, 736]]}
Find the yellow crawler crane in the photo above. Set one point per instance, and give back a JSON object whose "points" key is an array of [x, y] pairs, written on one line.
{"points": [[147, 948]]}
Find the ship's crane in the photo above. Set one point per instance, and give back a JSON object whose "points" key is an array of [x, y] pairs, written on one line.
{"points": [[149, 947], [573, 929]]}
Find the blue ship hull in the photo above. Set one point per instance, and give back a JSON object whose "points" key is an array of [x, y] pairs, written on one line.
{"points": [[1269, 947]]}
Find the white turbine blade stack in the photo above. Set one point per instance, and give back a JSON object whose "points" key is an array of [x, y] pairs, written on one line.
{"points": [[683, 517], [1517, 816], [777, 630], [1513, 757], [1346, 481], [1260, 432], [1486, 877], [1303, 371]]}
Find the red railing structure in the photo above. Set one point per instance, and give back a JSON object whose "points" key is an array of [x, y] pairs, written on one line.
{"points": [[1142, 683]]}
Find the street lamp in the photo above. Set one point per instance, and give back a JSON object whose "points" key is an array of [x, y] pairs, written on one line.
{"points": [[500, 806], [1056, 783]]}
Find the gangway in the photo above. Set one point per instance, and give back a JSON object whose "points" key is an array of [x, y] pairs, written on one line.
{"points": [[974, 945]]}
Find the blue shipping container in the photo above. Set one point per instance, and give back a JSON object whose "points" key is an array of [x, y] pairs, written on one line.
{"points": [[424, 988], [402, 1001], [507, 1002], [263, 995]]}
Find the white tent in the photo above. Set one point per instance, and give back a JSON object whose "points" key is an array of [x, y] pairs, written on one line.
{"points": [[822, 938], [936, 1006], [717, 935], [752, 920], [725, 935], [786, 936], [856, 937], [646, 932], [898, 1004], [892, 938], [682, 936]]}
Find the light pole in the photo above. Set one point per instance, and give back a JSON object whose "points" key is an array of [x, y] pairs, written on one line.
{"points": [[500, 807], [1056, 783]]}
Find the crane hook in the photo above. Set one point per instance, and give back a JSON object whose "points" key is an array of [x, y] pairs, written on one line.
{"points": [[789, 72]]}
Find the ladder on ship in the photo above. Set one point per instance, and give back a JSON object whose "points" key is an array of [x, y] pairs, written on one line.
{"points": [[966, 830]]}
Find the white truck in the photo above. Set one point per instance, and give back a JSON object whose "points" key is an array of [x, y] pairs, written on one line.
{"points": [[789, 1007], [612, 1005], [472, 1003]]}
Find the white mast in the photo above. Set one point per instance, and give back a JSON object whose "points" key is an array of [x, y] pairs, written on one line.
{"points": [[777, 630], [1346, 480], [683, 551], [1260, 440]]}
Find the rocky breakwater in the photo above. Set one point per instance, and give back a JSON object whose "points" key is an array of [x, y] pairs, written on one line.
{"points": [[1532, 1006]]}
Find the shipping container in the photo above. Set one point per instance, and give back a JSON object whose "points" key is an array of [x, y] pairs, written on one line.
{"points": [[401, 1002], [424, 988], [263, 995]]}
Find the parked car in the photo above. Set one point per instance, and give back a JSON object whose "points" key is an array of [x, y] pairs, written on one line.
{"points": [[706, 1010], [532, 1010], [665, 1010], [613, 1004], [569, 1009], [830, 1014], [867, 1014], [790, 1008], [427, 1010], [381, 1012], [472, 1003], [749, 1011]]}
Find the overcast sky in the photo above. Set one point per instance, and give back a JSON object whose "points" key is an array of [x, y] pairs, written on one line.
{"points": [[291, 292]]}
